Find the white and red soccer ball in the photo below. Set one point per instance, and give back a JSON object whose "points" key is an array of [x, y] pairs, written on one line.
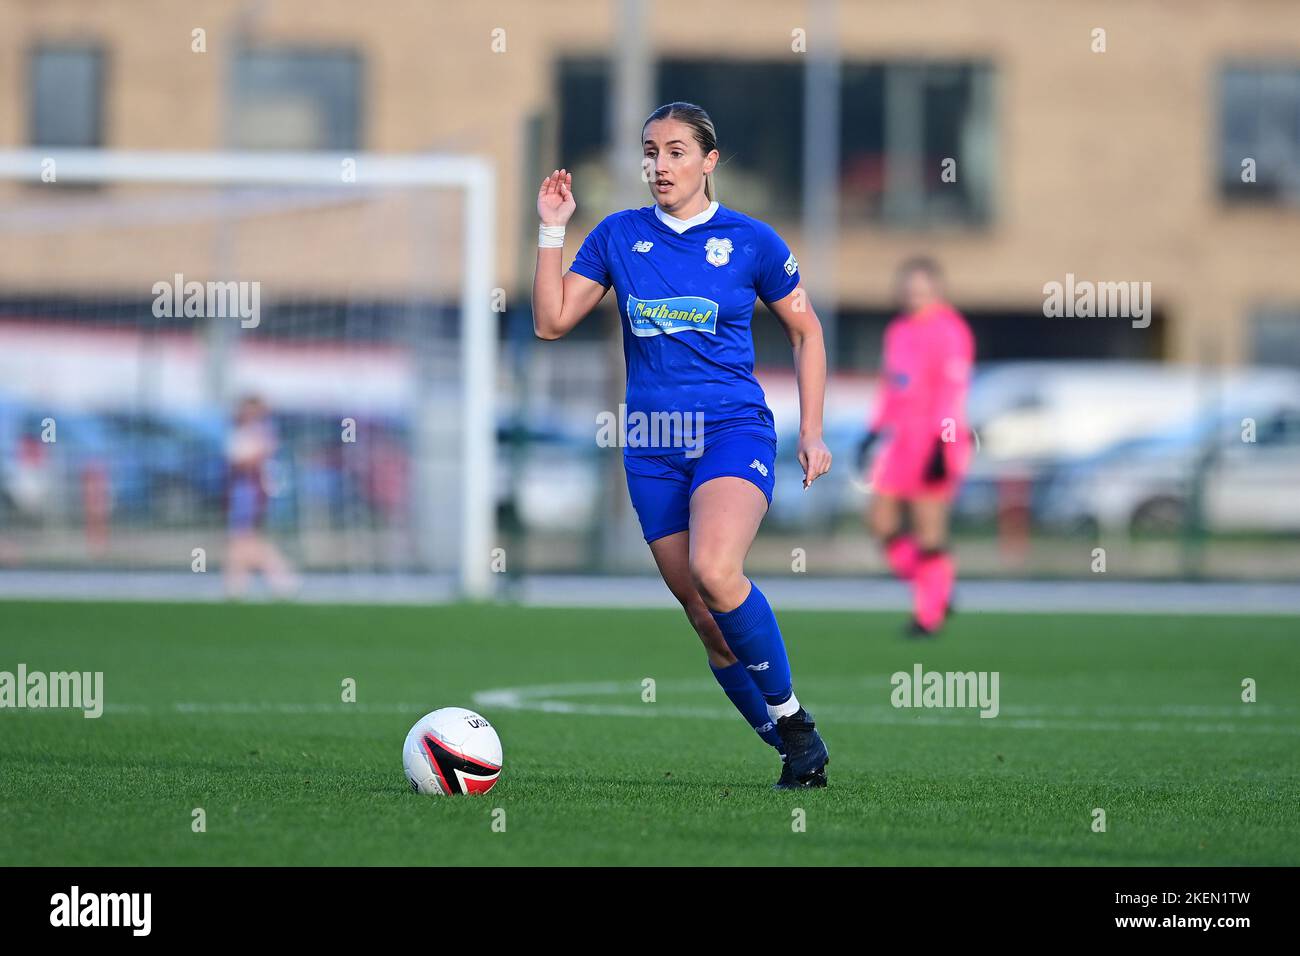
{"points": [[450, 752]]}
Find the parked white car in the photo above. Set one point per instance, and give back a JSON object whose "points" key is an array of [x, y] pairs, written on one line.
{"points": [[1242, 464], [1049, 410]]}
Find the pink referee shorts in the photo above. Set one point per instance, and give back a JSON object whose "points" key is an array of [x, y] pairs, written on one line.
{"points": [[900, 470]]}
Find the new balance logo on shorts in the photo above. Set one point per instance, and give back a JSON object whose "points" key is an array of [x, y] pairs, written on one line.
{"points": [[757, 667], [762, 468]]}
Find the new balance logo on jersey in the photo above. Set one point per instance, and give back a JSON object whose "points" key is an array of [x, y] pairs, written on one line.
{"points": [[757, 667], [762, 470], [642, 246]]}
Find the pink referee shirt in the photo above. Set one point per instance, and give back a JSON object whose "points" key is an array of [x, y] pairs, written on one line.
{"points": [[925, 377]]}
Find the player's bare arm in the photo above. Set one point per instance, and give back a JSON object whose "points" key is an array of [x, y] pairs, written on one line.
{"points": [[804, 330], [560, 300]]}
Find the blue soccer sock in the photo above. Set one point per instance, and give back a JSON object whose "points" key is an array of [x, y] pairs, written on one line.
{"points": [[751, 632], [744, 693]]}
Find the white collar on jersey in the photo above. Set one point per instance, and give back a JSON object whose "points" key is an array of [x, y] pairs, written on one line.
{"points": [[681, 225]]}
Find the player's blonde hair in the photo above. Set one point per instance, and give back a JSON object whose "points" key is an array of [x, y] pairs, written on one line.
{"points": [[701, 128]]}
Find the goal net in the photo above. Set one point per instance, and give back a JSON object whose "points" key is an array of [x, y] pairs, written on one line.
{"points": [[144, 298]]}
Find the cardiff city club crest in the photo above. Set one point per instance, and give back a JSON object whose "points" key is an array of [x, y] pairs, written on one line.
{"points": [[717, 251]]}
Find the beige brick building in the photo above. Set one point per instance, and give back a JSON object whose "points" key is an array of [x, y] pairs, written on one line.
{"points": [[1107, 165]]}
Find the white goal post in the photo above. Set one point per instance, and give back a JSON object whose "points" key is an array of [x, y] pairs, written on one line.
{"points": [[478, 327]]}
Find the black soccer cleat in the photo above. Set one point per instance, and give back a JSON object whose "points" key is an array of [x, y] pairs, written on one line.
{"points": [[914, 630], [806, 754], [788, 781], [787, 776]]}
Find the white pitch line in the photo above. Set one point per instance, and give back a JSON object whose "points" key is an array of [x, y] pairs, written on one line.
{"points": [[554, 699], [541, 698]]}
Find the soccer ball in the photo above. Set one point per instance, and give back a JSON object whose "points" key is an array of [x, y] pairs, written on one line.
{"points": [[452, 751]]}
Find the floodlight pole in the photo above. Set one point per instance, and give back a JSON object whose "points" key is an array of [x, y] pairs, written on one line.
{"points": [[821, 168], [630, 101]]}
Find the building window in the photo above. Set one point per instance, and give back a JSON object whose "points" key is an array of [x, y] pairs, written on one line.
{"points": [[757, 109], [1260, 126], [297, 100], [67, 97], [584, 114], [1275, 336], [756, 106], [900, 125]]}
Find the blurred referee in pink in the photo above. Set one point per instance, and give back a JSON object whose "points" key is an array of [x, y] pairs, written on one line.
{"points": [[925, 441]]}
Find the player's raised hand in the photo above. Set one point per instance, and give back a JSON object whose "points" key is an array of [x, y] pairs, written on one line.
{"points": [[815, 458], [555, 202]]}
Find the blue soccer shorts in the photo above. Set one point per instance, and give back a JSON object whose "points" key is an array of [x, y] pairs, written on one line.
{"points": [[661, 485]]}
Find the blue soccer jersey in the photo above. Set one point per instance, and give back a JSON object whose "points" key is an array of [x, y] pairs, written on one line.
{"points": [[686, 301]]}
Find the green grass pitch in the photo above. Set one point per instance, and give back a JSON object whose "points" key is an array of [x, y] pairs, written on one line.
{"points": [[237, 710]]}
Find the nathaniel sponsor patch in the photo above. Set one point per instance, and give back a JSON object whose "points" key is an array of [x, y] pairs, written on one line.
{"points": [[657, 316]]}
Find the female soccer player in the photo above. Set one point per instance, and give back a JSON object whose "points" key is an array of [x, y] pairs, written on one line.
{"points": [[921, 414], [686, 271]]}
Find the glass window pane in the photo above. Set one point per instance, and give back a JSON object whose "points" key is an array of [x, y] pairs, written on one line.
{"points": [[1259, 119], [899, 122], [66, 97], [297, 100], [862, 140], [1275, 336], [757, 109]]}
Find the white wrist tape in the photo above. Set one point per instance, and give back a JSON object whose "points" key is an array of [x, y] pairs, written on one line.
{"points": [[550, 237]]}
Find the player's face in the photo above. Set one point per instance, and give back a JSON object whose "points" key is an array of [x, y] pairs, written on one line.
{"points": [[674, 165], [917, 291]]}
